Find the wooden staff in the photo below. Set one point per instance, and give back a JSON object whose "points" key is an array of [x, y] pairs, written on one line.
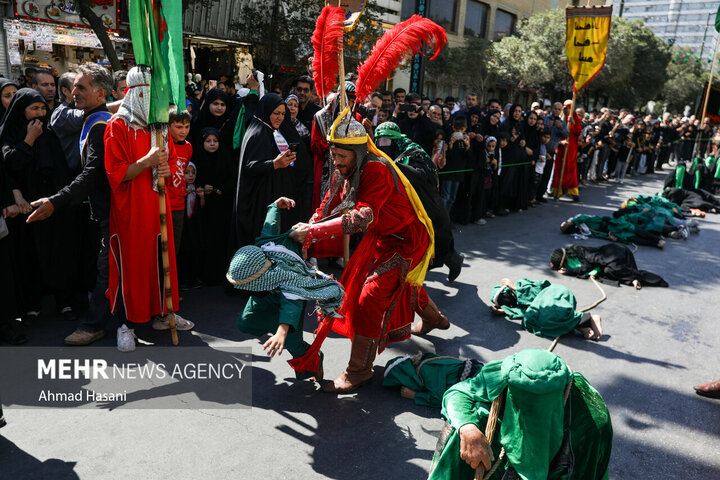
{"points": [[343, 104], [159, 140], [557, 191], [490, 430], [709, 87]]}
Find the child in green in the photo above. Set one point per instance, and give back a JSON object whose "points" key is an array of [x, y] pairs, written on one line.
{"points": [[281, 284]]}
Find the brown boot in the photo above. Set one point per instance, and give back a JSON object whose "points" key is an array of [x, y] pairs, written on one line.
{"points": [[359, 369], [430, 319]]}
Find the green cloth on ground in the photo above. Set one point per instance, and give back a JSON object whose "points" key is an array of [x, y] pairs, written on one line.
{"points": [[601, 227], [542, 437], [436, 375], [546, 310], [680, 175]]}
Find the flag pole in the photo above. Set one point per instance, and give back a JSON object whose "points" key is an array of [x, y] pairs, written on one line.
{"points": [[343, 104], [709, 85], [556, 192], [160, 140]]}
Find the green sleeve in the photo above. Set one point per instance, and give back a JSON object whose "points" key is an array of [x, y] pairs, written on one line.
{"points": [[271, 227], [461, 404], [291, 312]]}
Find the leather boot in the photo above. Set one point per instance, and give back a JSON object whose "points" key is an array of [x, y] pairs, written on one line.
{"points": [[359, 369], [455, 264], [430, 319]]}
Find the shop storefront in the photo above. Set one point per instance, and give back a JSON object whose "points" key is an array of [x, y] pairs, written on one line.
{"points": [[50, 34]]}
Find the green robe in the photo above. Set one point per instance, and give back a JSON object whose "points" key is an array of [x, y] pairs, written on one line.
{"points": [[601, 227], [546, 310], [431, 381], [586, 445], [263, 314]]}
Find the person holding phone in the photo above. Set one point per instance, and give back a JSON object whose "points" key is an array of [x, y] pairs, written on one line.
{"points": [[273, 163]]}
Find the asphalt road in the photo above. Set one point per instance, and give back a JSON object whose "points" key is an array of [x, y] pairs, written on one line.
{"points": [[658, 344]]}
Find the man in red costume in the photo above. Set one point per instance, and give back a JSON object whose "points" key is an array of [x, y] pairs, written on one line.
{"points": [[568, 176], [383, 280], [136, 273]]}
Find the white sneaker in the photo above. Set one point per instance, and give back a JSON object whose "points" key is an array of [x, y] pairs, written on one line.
{"points": [[480, 221], [163, 323], [125, 339]]}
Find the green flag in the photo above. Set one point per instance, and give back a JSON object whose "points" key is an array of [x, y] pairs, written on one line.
{"points": [[156, 31], [717, 20]]}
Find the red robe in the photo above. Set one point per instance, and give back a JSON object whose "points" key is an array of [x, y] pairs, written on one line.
{"points": [[379, 302], [135, 228], [570, 175], [319, 147]]}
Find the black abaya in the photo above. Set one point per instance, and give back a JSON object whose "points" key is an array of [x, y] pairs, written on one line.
{"points": [[615, 262]]}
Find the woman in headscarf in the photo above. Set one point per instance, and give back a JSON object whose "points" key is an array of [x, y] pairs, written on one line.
{"points": [[216, 175], [214, 113], [8, 88], [273, 163], [514, 120], [293, 106], [491, 124], [35, 165]]}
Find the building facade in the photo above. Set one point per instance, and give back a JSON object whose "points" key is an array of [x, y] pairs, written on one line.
{"points": [[684, 23]]}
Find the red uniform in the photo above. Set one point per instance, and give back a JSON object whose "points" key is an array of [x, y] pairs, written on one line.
{"points": [[570, 175], [175, 186], [135, 269], [379, 302]]}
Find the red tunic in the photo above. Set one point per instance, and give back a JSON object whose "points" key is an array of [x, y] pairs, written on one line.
{"points": [[175, 186], [135, 228], [319, 147], [379, 303], [570, 176]]}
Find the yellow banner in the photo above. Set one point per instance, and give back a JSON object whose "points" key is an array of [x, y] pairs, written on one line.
{"points": [[586, 39]]}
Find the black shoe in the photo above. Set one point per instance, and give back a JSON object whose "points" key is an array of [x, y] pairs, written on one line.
{"points": [[542, 200], [575, 198], [503, 212], [455, 264], [2, 422], [9, 335]]}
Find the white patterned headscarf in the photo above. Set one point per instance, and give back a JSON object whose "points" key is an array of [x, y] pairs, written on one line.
{"points": [[136, 104]]}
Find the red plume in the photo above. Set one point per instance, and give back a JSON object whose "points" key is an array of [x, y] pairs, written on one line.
{"points": [[326, 41], [404, 39]]}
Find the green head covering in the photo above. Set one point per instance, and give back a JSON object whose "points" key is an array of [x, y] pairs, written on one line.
{"points": [[274, 267], [392, 131], [532, 421]]}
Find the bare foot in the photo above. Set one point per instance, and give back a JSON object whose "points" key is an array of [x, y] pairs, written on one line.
{"points": [[661, 244], [636, 284], [596, 326], [497, 311]]}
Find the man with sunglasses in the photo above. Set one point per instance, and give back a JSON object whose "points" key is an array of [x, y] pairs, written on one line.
{"points": [[307, 109]]}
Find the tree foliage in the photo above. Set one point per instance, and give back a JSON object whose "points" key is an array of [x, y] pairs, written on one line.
{"points": [[684, 84], [280, 31], [445, 71]]}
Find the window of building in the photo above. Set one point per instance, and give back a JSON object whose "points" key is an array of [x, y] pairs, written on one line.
{"points": [[442, 12], [476, 15], [504, 24]]}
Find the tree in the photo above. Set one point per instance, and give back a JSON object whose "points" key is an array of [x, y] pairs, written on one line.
{"points": [[685, 81], [280, 31], [84, 7], [450, 71], [534, 56]]}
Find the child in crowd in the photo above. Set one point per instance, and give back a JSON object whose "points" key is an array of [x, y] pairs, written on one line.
{"points": [[178, 129], [536, 188], [585, 154], [190, 263], [481, 195], [218, 175], [456, 159]]}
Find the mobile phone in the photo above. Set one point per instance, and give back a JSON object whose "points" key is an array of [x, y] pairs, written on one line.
{"points": [[294, 147], [407, 107], [371, 112]]}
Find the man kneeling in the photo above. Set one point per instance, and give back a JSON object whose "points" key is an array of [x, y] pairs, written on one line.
{"points": [[554, 424]]}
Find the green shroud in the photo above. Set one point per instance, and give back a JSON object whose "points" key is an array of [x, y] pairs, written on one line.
{"points": [[542, 437], [435, 376], [546, 310]]}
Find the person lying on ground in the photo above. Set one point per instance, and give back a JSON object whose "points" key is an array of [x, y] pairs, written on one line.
{"points": [[546, 309]]}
